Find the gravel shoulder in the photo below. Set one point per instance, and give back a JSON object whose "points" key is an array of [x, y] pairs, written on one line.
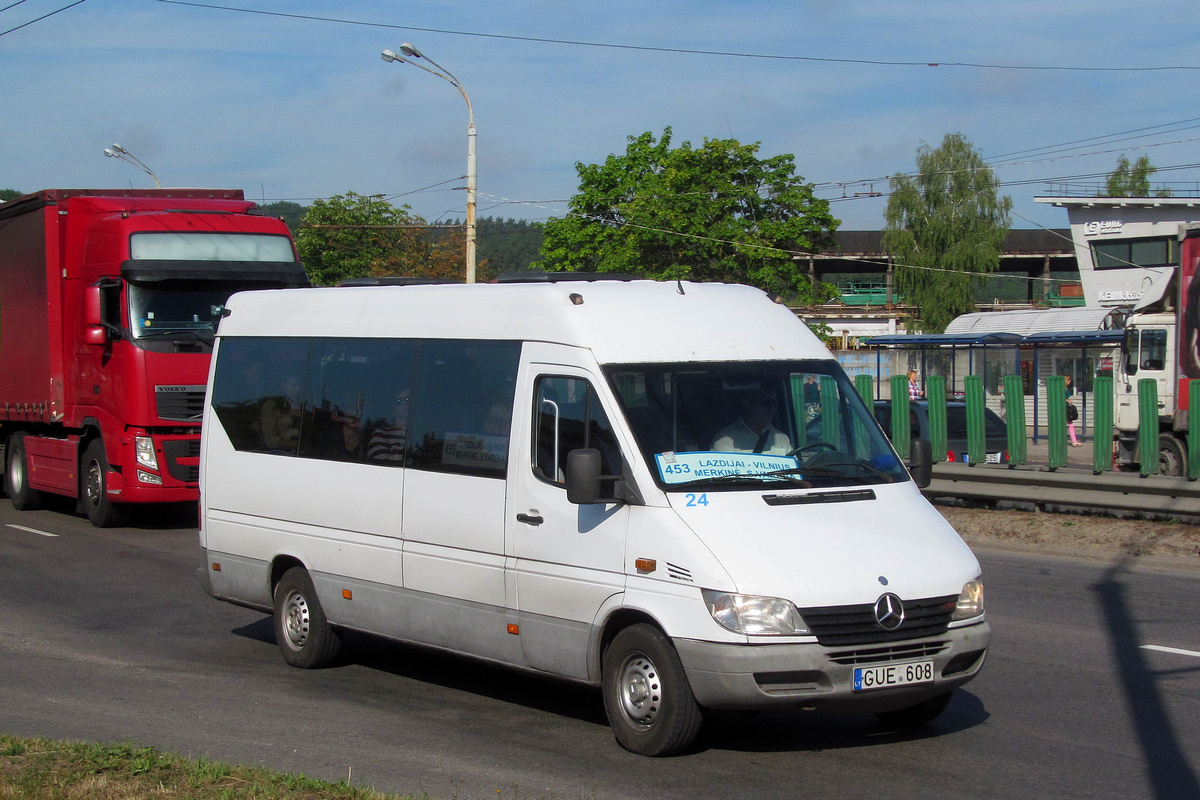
{"points": [[1100, 538]]}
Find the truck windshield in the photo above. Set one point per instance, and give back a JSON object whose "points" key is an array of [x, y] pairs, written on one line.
{"points": [[746, 424], [171, 308], [193, 246]]}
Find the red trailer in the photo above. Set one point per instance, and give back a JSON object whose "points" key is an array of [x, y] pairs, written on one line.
{"points": [[109, 301]]}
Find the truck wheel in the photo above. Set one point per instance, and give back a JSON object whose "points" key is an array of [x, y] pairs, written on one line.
{"points": [[921, 713], [304, 635], [1171, 457], [23, 497], [93, 474], [646, 694]]}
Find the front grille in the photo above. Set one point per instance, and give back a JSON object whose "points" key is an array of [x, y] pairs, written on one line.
{"points": [[847, 626], [175, 449], [180, 406], [882, 655]]}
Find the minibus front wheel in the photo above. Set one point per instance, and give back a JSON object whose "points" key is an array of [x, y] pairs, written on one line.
{"points": [[304, 635], [646, 693]]}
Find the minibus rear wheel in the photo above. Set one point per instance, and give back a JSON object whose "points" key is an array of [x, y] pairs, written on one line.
{"points": [[646, 693], [305, 637]]}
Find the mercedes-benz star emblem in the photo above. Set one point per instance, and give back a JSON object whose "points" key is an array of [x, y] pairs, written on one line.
{"points": [[889, 612]]}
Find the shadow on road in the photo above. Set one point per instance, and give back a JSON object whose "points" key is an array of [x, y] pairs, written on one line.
{"points": [[814, 731], [1167, 769], [771, 731]]}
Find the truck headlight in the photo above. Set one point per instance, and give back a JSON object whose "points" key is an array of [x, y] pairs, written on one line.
{"points": [[143, 446], [753, 615], [970, 602]]}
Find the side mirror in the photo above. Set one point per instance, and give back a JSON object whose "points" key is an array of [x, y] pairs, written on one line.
{"points": [[94, 332], [583, 476], [920, 462]]}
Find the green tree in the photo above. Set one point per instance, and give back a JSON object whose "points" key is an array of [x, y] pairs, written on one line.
{"points": [[1132, 180], [8, 194], [945, 227], [291, 213], [713, 213], [356, 236]]}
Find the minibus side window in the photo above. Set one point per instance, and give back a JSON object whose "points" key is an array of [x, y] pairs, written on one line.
{"points": [[359, 400], [462, 406], [566, 416], [258, 392]]}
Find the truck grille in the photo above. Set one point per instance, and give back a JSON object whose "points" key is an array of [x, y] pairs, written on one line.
{"points": [[185, 406], [175, 449], [842, 626]]}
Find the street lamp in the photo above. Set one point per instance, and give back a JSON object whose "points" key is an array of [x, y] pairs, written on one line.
{"points": [[472, 179], [120, 153]]}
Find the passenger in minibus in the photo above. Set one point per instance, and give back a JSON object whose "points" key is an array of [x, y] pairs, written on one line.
{"points": [[386, 444], [280, 417], [349, 445]]}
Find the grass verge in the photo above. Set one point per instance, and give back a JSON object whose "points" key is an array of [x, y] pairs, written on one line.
{"points": [[41, 769]]}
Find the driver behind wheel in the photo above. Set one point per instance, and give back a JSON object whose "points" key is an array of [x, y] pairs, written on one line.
{"points": [[753, 431]]}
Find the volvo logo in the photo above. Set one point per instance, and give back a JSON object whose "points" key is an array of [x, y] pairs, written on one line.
{"points": [[889, 612]]}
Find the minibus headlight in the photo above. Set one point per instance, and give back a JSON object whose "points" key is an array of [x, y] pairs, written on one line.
{"points": [[970, 602], [144, 447], [753, 615]]}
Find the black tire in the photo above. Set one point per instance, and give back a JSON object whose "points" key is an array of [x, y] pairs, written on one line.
{"points": [[922, 713], [646, 693], [303, 633], [16, 476], [93, 488], [1171, 456]]}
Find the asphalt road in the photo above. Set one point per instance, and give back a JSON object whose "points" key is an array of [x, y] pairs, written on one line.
{"points": [[106, 636]]}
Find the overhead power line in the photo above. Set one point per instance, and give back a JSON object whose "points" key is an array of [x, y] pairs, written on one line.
{"points": [[39, 19], [682, 50]]}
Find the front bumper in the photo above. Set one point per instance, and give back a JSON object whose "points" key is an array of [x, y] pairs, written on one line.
{"points": [[741, 677]]}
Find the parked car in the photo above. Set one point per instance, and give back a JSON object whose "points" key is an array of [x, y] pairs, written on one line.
{"points": [[995, 430]]}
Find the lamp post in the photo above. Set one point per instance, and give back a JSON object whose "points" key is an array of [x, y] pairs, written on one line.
{"points": [[472, 185], [120, 153]]}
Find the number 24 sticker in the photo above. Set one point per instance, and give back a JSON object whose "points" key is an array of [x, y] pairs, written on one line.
{"points": [[694, 500]]}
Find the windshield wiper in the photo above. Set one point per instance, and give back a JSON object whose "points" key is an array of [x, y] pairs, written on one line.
{"points": [[167, 333]]}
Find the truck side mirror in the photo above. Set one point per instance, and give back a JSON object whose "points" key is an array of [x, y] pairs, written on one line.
{"points": [[583, 476], [920, 462], [94, 333]]}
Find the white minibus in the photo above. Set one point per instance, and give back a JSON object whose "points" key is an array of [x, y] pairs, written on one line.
{"points": [[668, 490]]}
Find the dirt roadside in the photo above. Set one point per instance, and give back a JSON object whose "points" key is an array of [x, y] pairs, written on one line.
{"points": [[1171, 544]]}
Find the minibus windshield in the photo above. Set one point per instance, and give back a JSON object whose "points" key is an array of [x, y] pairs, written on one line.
{"points": [[739, 425]]}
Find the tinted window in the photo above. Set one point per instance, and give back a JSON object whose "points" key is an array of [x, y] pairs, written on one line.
{"points": [[358, 394], [436, 405], [567, 416], [258, 392], [1129, 253], [463, 404]]}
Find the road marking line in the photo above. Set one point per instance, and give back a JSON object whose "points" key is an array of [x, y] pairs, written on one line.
{"points": [[1174, 650], [31, 530]]}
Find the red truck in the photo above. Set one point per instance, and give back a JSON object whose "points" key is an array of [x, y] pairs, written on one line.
{"points": [[109, 301]]}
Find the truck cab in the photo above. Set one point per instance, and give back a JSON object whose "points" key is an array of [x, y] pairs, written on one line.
{"points": [[109, 304]]}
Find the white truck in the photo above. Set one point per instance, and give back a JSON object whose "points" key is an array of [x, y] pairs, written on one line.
{"points": [[628, 484], [1162, 342]]}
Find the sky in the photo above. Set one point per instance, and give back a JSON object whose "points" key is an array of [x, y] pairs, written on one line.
{"points": [[292, 101]]}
